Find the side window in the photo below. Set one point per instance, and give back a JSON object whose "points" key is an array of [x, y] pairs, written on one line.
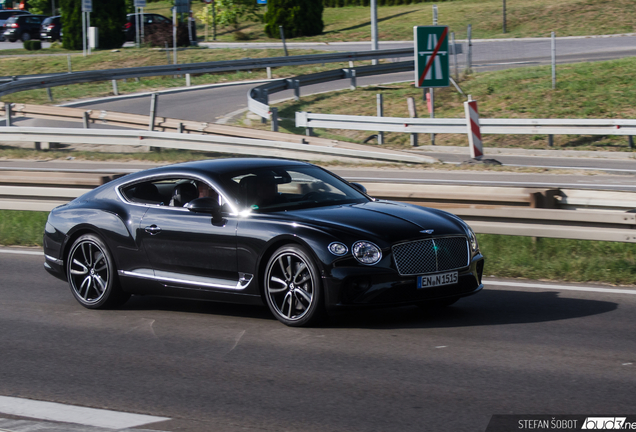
{"points": [[172, 192]]}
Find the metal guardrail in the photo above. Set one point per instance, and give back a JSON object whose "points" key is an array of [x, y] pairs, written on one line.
{"points": [[458, 125], [209, 143], [350, 151], [599, 215], [258, 97], [194, 68]]}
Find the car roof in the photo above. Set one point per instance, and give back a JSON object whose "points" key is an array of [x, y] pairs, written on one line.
{"points": [[214, 167]]}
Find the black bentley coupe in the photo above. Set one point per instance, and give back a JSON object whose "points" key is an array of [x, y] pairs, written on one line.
{"points": [[288, 234]]}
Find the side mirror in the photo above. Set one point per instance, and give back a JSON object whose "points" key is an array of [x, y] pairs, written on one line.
{"points": [[204, 205], [359, 187]]}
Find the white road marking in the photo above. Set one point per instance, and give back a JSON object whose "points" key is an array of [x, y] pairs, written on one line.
{"points": [[21, 252], [559, 287], [74, 414]]}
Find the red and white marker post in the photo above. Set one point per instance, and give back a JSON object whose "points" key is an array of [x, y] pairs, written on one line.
{"points": [[474, 133]]}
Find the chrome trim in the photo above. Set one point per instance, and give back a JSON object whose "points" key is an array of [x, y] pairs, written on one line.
{"points": [[244, 279], [169, 176], [468, 250], [54, 260]]}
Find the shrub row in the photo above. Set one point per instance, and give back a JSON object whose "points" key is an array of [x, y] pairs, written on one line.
{"points": [[343, 3], [32, 45]]}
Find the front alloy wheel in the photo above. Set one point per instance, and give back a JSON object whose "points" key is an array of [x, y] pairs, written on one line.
{"points": [[91, 274], [292, 287]]}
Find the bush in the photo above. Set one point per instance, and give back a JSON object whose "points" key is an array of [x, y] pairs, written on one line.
{"points": [[108, 16], [160, 34], [32, 45], [298, 18]]}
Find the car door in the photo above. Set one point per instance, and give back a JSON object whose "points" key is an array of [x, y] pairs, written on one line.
{"points": [[191, 250]]}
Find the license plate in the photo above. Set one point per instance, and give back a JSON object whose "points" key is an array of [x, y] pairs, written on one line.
{"points": [[437, 280]]}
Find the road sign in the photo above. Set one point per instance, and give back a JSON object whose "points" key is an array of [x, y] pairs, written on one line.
{"points": [[431, 56], [140, 3], [183, 6], [87, 5]]}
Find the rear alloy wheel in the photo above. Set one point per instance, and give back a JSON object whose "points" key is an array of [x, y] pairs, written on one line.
{"points": [[92, 274], [25, 37], [292, 287]]}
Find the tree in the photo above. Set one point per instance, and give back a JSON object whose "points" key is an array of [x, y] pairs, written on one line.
{"points": [[41, 7], [109, 17], [71, 11], [229, 12], [298, 18]]}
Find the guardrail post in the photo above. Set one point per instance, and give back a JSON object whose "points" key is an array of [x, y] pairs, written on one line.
{"points": [[180, 128], [49, 93], [269, 72], [380, 110], [188, 82], [630, 140], [410, 102], [550, 140], [274, 114], [297, 89], [153, 111], [309, 131], [7, 110], [351, 73], [282, 36], [115, 89], [85, 119]]}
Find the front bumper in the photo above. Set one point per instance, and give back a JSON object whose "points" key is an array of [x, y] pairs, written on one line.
{"points": [[376, 287]]}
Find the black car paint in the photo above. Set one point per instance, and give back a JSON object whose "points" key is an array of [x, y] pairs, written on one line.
{"points": [[238, 244]]}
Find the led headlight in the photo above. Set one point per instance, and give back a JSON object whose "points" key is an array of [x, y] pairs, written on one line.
{"points": [[474, 246], [366, 252], [338, 248]]}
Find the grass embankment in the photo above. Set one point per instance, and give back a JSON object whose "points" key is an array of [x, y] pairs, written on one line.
{"points": [[524, 19], [507, 256], [134, 57], [513, 93]]}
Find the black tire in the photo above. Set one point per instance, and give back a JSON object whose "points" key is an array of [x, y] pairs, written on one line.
{"points": [[25, 37], [12, 40], [92, 275], [293, 289]]}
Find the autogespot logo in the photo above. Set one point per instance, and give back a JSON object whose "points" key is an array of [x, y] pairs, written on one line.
{"points": [[605, 423]]}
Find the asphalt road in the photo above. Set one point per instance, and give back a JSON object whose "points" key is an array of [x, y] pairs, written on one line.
{"points": [[217, 367]]}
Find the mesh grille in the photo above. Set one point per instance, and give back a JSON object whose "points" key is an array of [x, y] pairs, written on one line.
{"points": [[431, 255]]}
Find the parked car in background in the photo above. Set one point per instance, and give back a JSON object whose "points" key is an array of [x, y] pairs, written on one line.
{"points": [[23, 27], [149, 19], [5, 15], [50, 28]]}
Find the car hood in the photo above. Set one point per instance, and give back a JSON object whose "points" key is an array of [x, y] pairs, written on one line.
{"points": [[385, 220]]}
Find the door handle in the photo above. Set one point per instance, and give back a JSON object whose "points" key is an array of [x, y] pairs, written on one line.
{"points": [[152, 229]]}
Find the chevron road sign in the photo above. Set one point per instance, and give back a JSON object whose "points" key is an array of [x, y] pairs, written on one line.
{"points": [[431, 56]]}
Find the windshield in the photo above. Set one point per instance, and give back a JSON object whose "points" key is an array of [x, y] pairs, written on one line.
{"points": [[280, 189]]}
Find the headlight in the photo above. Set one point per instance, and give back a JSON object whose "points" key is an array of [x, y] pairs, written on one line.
{"points": [[474, 246], [338, 248], [366, 252]]}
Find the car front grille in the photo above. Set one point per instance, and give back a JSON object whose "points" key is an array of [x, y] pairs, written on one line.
{"points": [[431, 255]]}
